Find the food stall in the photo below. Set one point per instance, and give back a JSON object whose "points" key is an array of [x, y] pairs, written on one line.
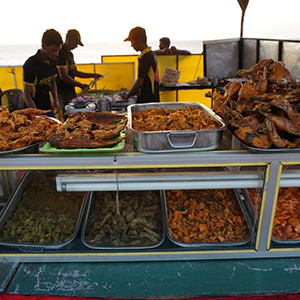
{"points": [[139, 166], [254, 179]]}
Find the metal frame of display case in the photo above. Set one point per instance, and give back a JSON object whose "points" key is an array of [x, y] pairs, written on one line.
{"points": [[273, 162]]}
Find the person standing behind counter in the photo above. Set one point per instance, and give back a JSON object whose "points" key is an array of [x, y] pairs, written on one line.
{"points": [[39, 72], [147, 84], [67, 70], [164, 48]]}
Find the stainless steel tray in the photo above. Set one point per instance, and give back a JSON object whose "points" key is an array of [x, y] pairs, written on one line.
{"points": [[176, 140], [101, 245], [16, 198], [33, 148], [278, 241], [271, 150], [219, 244]]}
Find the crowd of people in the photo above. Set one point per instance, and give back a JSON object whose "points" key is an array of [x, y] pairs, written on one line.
{"points": [[52, 71]]}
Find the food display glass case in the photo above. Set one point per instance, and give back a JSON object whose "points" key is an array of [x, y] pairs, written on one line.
{"points": [[223, 169]]}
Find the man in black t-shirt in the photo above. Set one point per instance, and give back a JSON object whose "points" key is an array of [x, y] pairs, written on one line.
{"points": [[39, 73], [147, 84], [67, 69]]}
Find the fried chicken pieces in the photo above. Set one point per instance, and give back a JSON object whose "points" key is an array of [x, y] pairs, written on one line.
{"points": [[24, 127], [89, 130], [263, 112]]}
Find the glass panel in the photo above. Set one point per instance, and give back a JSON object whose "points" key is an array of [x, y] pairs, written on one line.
{"points": [[268, 49], [286, 226]]}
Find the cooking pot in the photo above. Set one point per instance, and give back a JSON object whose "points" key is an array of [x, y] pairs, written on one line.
{"points": [[103, 104]]}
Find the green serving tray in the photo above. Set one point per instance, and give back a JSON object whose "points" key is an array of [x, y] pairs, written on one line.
{"points": [[48, 148]]}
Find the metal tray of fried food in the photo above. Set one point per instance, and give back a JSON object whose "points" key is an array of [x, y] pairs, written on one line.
{"points": [[32, 148], [175, 140], [37, 219], [139, 228], [243, 211], [268, 150], [273, 239]]}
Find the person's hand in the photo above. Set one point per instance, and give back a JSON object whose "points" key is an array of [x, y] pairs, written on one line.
{"points": [[124, 95], [96, 75], [84, 86]]}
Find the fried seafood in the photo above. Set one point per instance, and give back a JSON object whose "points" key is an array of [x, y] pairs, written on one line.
{"points": [[89, 130], [272, 96], [160, 119], [138, 224], [24, 127], [286, 224], [205, 216]]}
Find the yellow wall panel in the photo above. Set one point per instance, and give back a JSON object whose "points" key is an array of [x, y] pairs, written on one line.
{"points": [[190, 67], [121, 59], [167, 96], [197, 96], [19, 76], [7, 81]]}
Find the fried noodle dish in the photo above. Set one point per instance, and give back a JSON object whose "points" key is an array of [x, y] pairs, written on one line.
{"points": [[155, 119], [89, 130], [24, 127]]}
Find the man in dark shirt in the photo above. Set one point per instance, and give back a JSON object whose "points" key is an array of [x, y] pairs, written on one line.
{"points": [[147, 84], [39, 73], [164, 48], [67, 69]]}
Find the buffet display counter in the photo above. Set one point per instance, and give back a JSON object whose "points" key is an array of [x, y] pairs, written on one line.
{"points": [[239, 170]]}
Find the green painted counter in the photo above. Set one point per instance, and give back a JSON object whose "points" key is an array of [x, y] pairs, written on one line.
{"points": [[159, 279]]}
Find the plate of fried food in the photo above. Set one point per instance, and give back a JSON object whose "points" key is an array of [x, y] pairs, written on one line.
{"points": [[263, 113], [24, 129], [88, 132]]}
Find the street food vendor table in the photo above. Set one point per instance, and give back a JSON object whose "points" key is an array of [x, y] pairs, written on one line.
{"points": [[258, 268], [183, 86]]}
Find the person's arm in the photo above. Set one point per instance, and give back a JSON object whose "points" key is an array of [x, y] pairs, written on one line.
{"points": [[64, 76], [28, 88], [174, 50], [86, 75], [162, 52], [134, 89], [53, 90]]}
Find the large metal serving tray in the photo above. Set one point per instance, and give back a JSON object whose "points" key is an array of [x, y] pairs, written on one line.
{"points": [[278, 241], [109, 247], [220, 244], [14, 200], [175, 140]]}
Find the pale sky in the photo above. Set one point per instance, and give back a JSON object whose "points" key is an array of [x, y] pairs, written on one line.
{"points": [[23, 22]]}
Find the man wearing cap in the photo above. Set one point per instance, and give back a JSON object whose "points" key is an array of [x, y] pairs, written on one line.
{"points": [[67, 70], [147, 84], [39, 72]]}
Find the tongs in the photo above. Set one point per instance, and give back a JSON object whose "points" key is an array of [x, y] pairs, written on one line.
{"points": [[92, 84]]}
